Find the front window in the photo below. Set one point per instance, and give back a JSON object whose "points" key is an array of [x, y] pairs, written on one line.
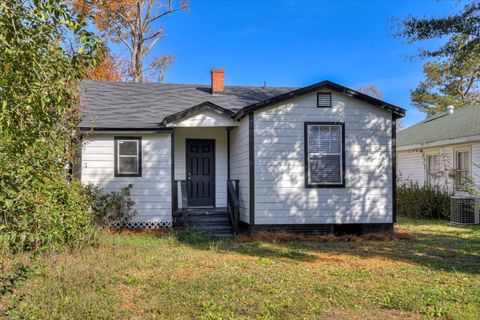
{"points": [[432, 170], [128, 157], [324, 154], [462, 169]]}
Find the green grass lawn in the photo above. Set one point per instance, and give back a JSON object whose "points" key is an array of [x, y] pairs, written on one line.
{"points": [[146, 276]]}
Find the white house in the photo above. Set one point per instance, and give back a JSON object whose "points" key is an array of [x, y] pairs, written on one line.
{"points": [[314, 159], [442, 150]]}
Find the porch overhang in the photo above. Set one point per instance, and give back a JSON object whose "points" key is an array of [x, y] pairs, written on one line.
{"points": [[206, 114]]}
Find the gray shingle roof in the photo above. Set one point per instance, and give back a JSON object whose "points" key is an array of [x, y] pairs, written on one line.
{"points": [[443, 126], [144, 105]]}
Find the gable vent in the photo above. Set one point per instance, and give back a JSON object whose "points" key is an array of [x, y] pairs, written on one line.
{"points": [[324, 99]]}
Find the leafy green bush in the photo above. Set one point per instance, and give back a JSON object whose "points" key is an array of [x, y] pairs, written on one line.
{"points": [[112, 209], [423, 202], [39, 205], [46, 213]]}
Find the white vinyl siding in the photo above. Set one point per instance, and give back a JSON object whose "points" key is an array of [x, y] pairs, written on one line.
{"points": [[410, 167], [151, 192], [220, 136], [280, 193], [239, 165], [412, 164]]}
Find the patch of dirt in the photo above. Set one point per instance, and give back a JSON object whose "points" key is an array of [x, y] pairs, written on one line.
{"points": [[368, 315], [286, 236]]}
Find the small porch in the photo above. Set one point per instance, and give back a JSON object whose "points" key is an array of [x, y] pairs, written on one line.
{"points": [[203, 196]]}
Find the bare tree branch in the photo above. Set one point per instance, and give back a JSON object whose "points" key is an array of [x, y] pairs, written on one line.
{"points": [[163, 14], [159, 32], [150, 46], [127, 45]]}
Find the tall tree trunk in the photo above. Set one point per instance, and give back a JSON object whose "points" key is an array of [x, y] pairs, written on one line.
{"points": [[137, 67]]}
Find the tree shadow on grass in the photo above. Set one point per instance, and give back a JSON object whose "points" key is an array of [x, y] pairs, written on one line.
{"points": [[253, 248], [444, 251]]}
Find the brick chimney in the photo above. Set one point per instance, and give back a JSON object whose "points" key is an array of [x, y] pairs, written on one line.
{"points": [[218, 80]]}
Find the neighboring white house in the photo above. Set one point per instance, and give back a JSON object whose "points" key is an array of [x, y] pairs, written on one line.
{"points": [[305, 159], [442, 150]]}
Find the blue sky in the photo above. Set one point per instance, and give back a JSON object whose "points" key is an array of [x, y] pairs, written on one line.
{"points": [[297, 43]]}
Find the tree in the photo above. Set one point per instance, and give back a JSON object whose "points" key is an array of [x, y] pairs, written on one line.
{"points": [[463, 27], [447, 83], [131, 22], [454, 75], [371, 91], [108, 68], [39, 81]]}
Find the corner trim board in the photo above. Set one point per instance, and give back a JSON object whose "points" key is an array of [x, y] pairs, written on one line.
{"points": [[172, 159], [251, 153], [394, 169], [228, 153]]}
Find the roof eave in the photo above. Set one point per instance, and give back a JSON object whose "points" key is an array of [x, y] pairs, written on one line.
{"points": [[432, 144], [397, 111], [207, 105], [123, 130]]}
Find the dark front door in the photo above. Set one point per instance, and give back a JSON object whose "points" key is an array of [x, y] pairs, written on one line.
{"points": [[200, 172]]}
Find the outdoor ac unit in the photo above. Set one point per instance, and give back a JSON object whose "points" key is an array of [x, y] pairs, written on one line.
{"points": [[464, 210]]}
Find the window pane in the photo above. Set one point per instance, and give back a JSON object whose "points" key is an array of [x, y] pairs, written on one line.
{"points": [[325, 169], [336, 136], [128, 165], [127, 148], [324, 139], [432, 163]]}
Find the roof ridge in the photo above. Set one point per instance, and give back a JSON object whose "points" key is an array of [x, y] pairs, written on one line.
{"points": [[185, 84]]}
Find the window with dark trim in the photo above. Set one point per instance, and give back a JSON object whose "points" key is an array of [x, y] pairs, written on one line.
{"points": [[432, 168], [463, 172], [324, 99], [128, 156], [324, 154]]}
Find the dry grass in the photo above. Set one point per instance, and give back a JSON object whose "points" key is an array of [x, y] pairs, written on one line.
{"points": [[426, 270], [399, 234]]}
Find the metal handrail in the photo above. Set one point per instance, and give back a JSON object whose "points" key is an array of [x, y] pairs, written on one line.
{"points": [[233, 204], [183, 199]]}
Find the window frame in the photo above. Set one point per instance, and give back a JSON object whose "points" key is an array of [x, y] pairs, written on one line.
{"points": [[456, 151], [428, 171], [318, 99], [117, 156], [342, 155]]}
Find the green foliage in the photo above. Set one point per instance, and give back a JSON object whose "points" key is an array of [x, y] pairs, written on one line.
{"points": [[51, 213], [452, 79], [452, 82], [191, 236], [458, 26], [423, 202], [38, 99], [110, 209]]}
